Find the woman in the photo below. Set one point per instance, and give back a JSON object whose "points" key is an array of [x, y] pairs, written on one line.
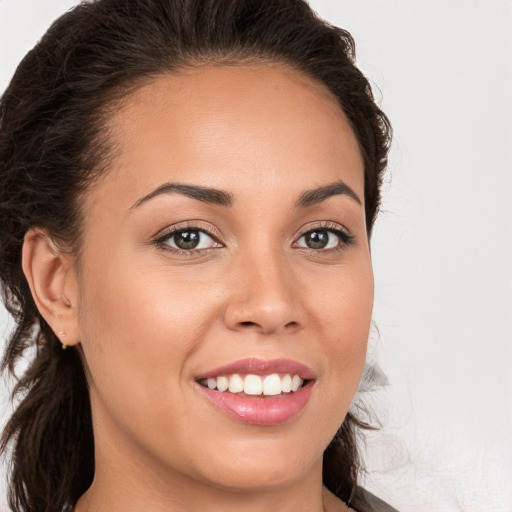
{"points": [[187, 195]]}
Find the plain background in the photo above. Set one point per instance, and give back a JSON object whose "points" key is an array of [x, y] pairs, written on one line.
{"points": [[442, 248]]}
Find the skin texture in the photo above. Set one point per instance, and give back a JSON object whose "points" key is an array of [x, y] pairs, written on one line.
{"points": [[150, 320]]}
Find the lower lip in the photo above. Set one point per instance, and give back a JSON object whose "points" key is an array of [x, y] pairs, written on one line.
{"points": [[259, 410]]}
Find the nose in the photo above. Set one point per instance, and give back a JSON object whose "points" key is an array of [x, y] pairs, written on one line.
{"points": [[265, 297]]}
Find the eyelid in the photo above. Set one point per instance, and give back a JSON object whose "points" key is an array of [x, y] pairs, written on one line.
{"points": [[200, 225], [346, 238], [324, 224], [196, 225]]}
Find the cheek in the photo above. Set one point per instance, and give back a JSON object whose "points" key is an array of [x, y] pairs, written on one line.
{"points": [[135, 330], [145, 320], [138, 335], [343, 316], [343, 300]]}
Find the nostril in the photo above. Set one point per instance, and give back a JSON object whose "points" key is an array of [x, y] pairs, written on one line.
{"points": [[247, 324], [290, 326]]}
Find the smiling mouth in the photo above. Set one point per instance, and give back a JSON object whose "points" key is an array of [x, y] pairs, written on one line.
{"points": [[259, 392], [256, 386]]}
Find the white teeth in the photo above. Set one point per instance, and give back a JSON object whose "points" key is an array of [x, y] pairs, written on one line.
{"points": [[236, 383], [269, 385], [272, 385], [253, 385], [286, 383], [296, 382], [222, 383]]}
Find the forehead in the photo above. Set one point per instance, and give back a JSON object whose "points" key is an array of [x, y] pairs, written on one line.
{"points": [[232, 126]]}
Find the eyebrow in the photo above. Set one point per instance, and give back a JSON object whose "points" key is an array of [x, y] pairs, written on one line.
{"points": [[204, 194], [317, 195], [223, 198]]}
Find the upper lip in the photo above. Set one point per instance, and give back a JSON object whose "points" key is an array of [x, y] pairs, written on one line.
{"points": [[261, 367]]}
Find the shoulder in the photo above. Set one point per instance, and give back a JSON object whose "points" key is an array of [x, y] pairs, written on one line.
{"points": [[364, 501]]}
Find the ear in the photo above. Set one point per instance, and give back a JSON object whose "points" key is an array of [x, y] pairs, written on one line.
{"points": [[52, 279]]}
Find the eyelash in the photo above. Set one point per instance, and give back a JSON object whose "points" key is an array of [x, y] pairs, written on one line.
{"points": [[161, 240], [344, 237]]}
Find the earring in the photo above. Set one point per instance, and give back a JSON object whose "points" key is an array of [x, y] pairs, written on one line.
{"points": [[62, 334]]}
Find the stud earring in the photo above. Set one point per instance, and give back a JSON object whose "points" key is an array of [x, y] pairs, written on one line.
{"points": [[62, 334]]}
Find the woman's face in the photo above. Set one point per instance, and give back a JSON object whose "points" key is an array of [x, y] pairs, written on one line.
{"points": [[227, 240]]}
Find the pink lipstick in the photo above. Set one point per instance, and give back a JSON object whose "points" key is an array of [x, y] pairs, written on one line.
{"points": [[259, 392]]}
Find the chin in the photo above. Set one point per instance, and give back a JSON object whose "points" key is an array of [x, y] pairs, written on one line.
{"points": [[261, 470], [258, 479]]}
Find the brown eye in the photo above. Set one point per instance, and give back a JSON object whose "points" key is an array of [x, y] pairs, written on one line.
{"points": [[189, 239], [318, 239], [323, 239]]}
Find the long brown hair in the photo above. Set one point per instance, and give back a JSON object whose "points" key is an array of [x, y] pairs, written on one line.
{"points": [[52, 146]]}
